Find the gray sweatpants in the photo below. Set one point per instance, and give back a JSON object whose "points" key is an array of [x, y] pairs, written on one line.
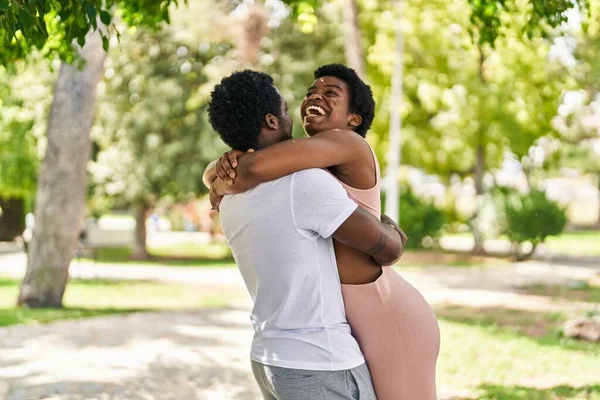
{"points": [[299, 384]]}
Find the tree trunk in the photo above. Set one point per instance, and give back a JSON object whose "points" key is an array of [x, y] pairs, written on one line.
{"points": [[392, 194], [60, 195], [528, 171], [353, 49], [254, 28], [479, 172], [597, 225], [519, 256], [141, 214], [479, 198], [12, 218]]}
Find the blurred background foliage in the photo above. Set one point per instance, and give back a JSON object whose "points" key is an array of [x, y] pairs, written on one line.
{"points": [[500, 140], [491, 89]]}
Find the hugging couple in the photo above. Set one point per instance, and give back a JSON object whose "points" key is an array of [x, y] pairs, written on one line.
{"points": [[332, 319]]}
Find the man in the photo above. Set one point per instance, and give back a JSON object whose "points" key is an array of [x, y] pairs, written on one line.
{"points": [[280, 234]]}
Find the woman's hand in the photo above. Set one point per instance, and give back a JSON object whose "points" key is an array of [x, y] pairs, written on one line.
{"points": [[227, 164], [388, 221]]}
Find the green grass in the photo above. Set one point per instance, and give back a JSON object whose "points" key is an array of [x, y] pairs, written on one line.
{"points": [[117, 217], [13, 316], [217, 255], [512, 354], [425, 258], [581, 291], [214, 255], [88, 298], [211, 251], [486, 353], [533, 324], [459, 234], [584, 243], [499, 392]]}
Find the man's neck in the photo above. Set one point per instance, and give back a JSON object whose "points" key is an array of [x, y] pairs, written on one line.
{"points": [[266, 143]]}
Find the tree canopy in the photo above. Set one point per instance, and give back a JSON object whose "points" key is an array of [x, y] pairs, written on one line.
{"points": [[51, 26], [488, 17], [25, 97], [152, 132]]}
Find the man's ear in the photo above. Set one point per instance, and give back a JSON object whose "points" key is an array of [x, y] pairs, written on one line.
{"points": [[271, 121], [355, 120]]}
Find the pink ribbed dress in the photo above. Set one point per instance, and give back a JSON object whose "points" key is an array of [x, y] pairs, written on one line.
{"points": [[396, 328]]}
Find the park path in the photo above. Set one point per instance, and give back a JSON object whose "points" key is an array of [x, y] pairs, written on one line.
{"points": [[490, 286], [146, 356], [204, 354]]}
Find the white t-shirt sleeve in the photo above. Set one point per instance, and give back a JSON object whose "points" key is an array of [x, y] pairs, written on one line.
{"points": [[319, 203]]}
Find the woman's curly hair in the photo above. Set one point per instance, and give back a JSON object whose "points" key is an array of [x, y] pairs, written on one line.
{"points": [[361, 97]]}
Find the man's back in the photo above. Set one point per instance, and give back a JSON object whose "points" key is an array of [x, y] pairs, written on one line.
{"points": [[277, 234]]}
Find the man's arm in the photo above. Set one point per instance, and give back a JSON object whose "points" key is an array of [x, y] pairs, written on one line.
{"points": [[217, 188], [210, 174], [366, 233], [321, 206]]}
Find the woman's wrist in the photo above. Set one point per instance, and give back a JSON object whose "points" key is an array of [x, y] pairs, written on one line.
{"points": [[397, 238]]}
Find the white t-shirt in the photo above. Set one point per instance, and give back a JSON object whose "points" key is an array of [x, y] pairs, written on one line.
{"points": [[279, 233]]}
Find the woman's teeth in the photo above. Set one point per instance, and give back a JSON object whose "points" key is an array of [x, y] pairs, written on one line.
{"points": [[315, 110]]}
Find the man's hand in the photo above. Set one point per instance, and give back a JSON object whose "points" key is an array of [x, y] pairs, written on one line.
{"points": [[214, 197], [227, 163]]}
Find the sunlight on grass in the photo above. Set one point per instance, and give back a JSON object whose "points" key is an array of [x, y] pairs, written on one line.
{"points": [[147, 295], [21, 316], [584, 243], [433, 258], [214, 255], [214, 251], [86, 298], [499, 392], [581, 291], [533, 324], [489, 362], [576, 243]]}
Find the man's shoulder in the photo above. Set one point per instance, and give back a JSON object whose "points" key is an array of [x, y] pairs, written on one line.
{"points": [[312, 175], [317, 182]]}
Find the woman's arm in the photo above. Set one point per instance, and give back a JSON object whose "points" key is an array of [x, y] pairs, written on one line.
{"points": [[379, 239], [326, 149]]}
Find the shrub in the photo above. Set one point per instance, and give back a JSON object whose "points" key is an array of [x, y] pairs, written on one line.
{"points": [[419, 218], [531, 218], [12, 218], [454, 219]]}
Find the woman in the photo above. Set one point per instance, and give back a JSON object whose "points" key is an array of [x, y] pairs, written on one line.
{"points": [[394, 325]]}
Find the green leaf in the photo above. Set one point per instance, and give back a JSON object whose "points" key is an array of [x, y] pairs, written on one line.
{"points": [[104, 43], [64, 14], [90, 10], [82, 21], [25, 18], [48, 6], [105, 17]]}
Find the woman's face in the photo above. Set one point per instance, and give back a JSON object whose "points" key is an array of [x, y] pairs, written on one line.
{"points": [[326, 106]]}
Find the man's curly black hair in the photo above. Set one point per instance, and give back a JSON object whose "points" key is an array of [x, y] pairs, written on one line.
{"points": [[238, 107], [361, 97]]}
